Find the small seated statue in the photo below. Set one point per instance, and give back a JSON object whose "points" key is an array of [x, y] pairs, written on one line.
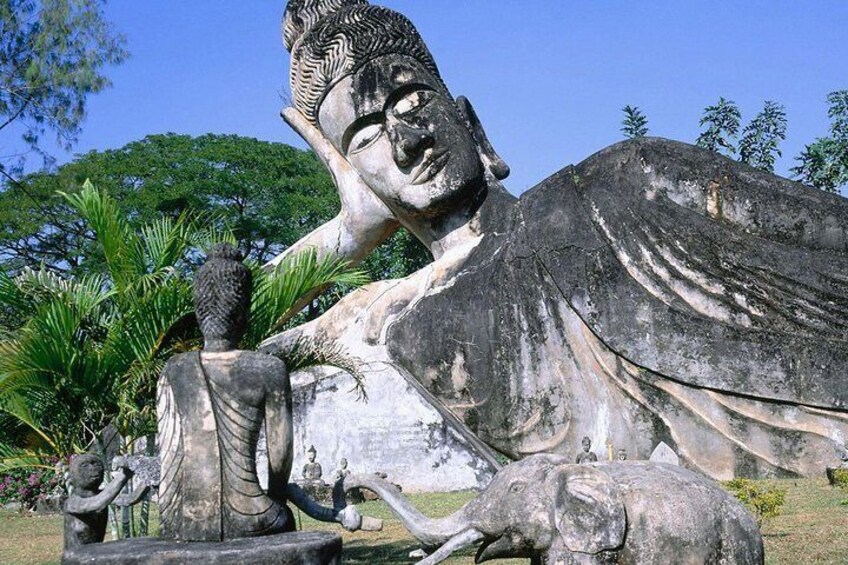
{"points": [[586, 456], [211, 407], [87, 507], [342, 471], [312, 471]]}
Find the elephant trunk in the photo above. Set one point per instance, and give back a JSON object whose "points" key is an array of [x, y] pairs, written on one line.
{"points": [[431, 533]]}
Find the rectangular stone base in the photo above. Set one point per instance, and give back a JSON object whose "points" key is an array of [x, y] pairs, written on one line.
{"points": [[296, 548]]}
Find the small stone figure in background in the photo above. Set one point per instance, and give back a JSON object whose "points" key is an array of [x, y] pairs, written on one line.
{"points": [[312, 471], [87, 507], [622, 454], [586, 456], [342, 471]]}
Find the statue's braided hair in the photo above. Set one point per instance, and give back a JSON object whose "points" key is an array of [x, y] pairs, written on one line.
{"points": [[222, 292], [302, 15], [332, 39]]}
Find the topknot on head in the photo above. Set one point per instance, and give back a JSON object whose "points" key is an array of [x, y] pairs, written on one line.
{"points": [[302, 15], [222, 290], [225, 251]]}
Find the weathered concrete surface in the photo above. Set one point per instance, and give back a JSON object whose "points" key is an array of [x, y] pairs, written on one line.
{"points": [[655, 292], [398, 431], [297, 548]]}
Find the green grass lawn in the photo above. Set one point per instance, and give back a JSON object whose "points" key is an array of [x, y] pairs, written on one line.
{"points": [[812, 529]]}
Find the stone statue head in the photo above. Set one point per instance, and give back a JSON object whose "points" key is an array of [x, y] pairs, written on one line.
{"points": [[363, 74], [86, 472], [622, 455], [586, 443], [343, 463], [222, 292], [311, 453]]}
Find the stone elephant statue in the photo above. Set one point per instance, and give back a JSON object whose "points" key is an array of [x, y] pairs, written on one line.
{"points": [[558, 513]]}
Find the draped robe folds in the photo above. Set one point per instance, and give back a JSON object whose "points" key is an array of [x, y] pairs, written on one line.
{"points": [[209, 490], [656, 292]]}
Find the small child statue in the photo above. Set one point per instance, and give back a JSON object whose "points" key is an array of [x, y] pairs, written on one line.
{"points": [[87, 507], [586, 456]]}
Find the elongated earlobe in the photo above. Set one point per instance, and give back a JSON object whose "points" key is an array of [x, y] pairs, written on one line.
{"points": [[493, 161]]}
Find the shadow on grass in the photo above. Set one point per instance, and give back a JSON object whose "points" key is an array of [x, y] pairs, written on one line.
{"points": [[360, 553]]}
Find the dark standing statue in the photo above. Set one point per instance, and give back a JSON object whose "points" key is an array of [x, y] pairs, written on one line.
{"points": [[87, 507], [211, 407], [655, 292]]}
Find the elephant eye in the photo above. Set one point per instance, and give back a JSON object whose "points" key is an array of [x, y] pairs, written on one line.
{"points": [[516, 488]]}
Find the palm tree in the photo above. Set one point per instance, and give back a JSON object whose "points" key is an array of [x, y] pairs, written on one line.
{"points": [[87, 352]]}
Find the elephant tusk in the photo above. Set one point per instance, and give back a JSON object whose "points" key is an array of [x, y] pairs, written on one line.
{"points": [[457, 542]]}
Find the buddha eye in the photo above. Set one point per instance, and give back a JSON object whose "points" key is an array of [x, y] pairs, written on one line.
{"points": [[413, 102], [364, 137]]}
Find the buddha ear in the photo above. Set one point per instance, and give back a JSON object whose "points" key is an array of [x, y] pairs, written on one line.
{"points": [[491, 159]]}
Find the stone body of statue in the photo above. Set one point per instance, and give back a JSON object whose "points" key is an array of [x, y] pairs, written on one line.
{"points": [[87, 507], [654, 292], [211, 406], [586, 456]]}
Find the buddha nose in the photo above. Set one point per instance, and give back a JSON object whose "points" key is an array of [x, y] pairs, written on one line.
{"points": [[408, 142]]}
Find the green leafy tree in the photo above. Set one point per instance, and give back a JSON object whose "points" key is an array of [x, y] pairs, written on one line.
{"points": [[88, 350], [760, 145], [52, 57], [635, 124], [824, 163], [722, 122], [269, 194]]}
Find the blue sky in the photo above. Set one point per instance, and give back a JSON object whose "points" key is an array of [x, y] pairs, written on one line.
{"points": [[547, 77]]}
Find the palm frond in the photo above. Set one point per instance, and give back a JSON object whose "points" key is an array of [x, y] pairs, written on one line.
{"points": [[310, 352], [12, 296], [276, 294], [143, 330], [167, 241], [12, 458], [41, 286], [19, 407], [122, 247]]}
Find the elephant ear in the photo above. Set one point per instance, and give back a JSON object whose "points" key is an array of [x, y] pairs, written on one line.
{"points": [[589, 511]]}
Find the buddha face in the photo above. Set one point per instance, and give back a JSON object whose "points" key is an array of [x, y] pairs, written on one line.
{"points": [[587, 444], [400, 129]]}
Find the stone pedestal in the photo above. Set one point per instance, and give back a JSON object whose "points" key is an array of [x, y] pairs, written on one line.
{"points": [[296, 548]]}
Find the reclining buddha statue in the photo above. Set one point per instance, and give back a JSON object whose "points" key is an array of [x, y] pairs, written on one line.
{"points": [[656, 292]]}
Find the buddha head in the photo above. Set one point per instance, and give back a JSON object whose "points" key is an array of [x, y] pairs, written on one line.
{"points": [[587, 444], [364, 76], [86, 472], [222, 291]]}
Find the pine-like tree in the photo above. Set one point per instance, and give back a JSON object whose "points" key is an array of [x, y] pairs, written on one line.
{"points": [[635, 124], [760, 145], [722, 123]]}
